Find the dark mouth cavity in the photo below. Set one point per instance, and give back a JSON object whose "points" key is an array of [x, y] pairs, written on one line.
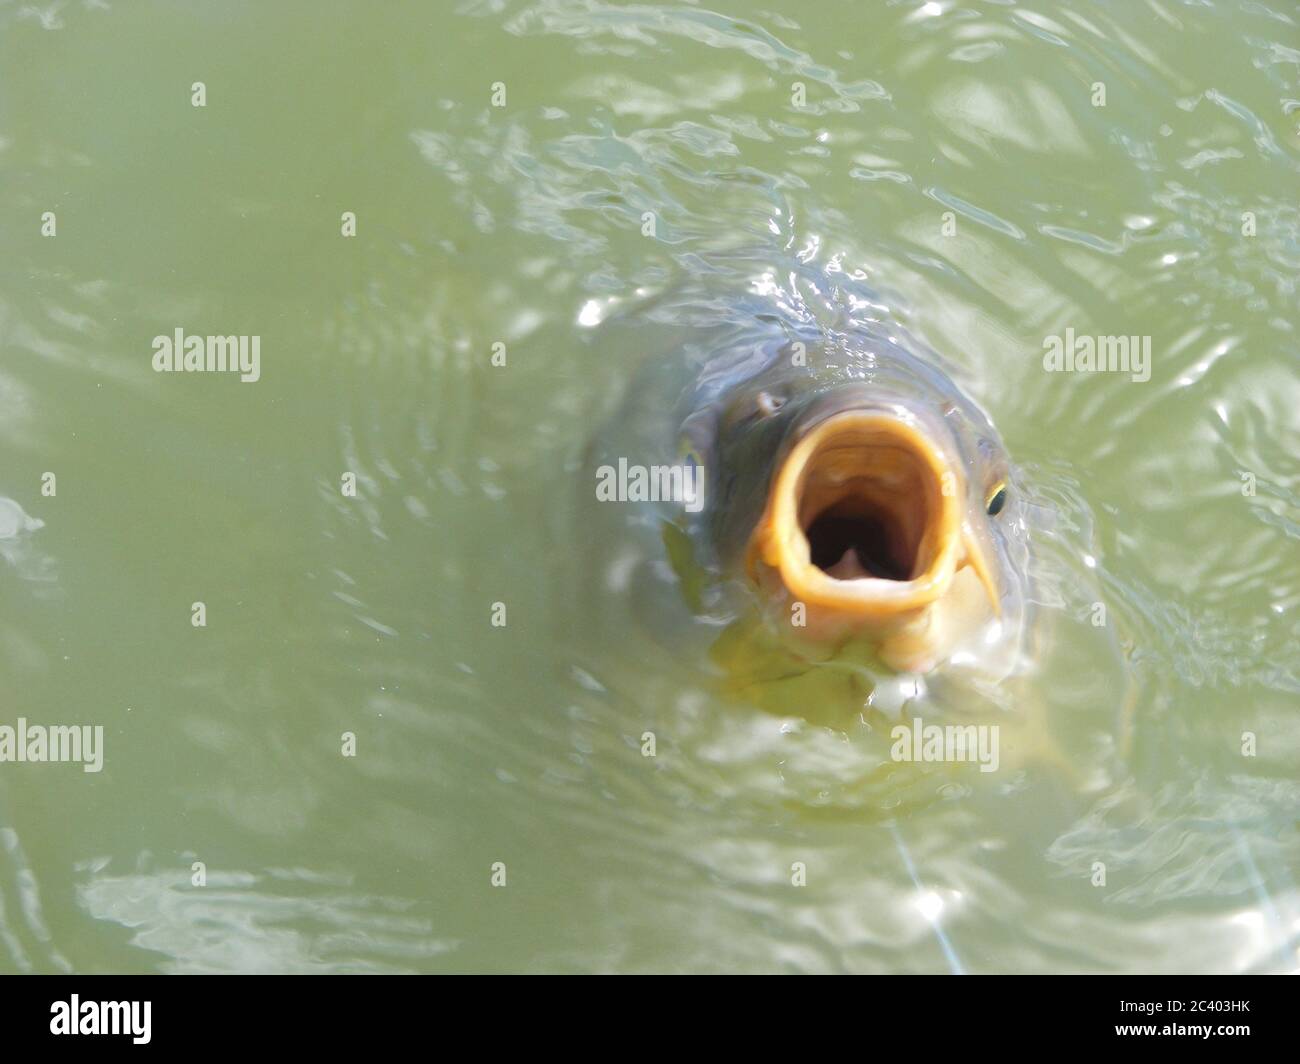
{"points": [[851, 545]]}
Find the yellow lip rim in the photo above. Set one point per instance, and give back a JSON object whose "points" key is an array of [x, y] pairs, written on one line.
{"points": [[780, 542]]}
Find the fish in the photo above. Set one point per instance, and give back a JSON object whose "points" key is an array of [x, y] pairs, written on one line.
{"points": [[827, 491]]}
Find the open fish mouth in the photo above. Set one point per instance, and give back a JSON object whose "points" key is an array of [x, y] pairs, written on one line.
{"points": [[865, 518]]}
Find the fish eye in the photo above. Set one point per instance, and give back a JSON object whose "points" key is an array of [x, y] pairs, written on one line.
{"points": [[690, 456], [695, 438], [997, 499]]}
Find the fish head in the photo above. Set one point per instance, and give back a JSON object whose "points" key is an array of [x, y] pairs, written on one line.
{"points": [[857, 511]]}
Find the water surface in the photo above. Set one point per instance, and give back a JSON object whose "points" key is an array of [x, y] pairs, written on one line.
{"points": [[952, 156]]}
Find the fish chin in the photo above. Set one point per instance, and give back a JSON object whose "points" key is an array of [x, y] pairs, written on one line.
{"points": [[865, 526]]}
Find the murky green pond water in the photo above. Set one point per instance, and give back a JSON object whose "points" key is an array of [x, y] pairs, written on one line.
{"points": [[1001, 173]]}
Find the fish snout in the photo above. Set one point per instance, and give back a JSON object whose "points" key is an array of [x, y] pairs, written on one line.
{"points": [[865, 525]]}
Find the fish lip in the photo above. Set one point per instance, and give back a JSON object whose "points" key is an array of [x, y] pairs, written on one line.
{"points": [[782, 542]]}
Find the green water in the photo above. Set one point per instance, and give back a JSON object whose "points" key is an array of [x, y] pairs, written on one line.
{"points": [[954, 156]]}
